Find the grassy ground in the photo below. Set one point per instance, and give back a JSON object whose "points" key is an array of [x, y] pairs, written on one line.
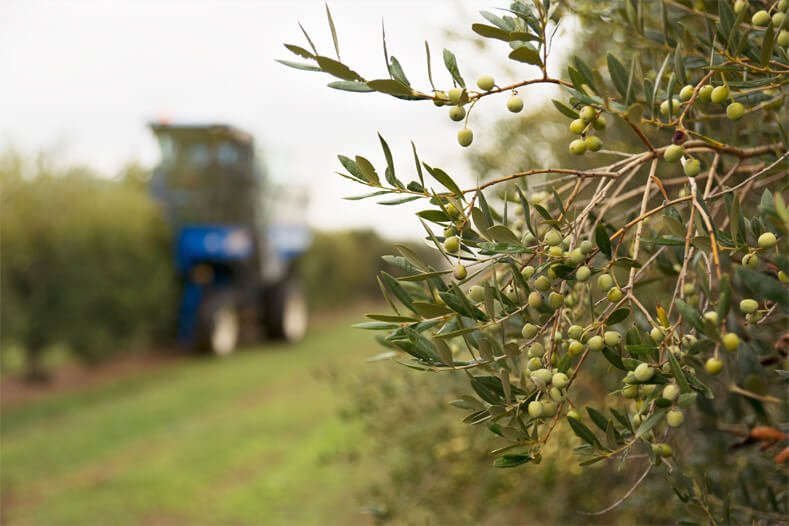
{"points": [[251, 439]]}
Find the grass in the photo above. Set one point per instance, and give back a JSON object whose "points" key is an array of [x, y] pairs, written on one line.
{"points": [[252, 439]]}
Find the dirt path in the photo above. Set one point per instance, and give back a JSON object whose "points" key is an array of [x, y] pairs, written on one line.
{"points": [[76, 376]]}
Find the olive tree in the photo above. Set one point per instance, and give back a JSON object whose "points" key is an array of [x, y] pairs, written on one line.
{"points": [[654, 269]]}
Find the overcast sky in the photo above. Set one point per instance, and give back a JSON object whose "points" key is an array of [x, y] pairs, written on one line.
{"points": [[82, 79]]}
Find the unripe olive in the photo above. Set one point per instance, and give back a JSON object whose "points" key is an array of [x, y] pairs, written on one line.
{"points": [[555, 300], [555, 252], [536, 350], [748, 305], [552, 238], [705, 93], [573, 414], [452, 210], [674, 153], [688, 340], [454, 95], [783, 5], [549, 408], [527, 272], [450, 230], [674, 418], [595, 343], [535, 409], [719, 94], [575, 347], [731, 341], [713, 366], [783, 277], [599, 123], [485, 82], [556, 394], [578, 147], [670, 392], [767, 240], [533, 364], [593, 143], [778, 19], [783, 38], [692, 168], [465, 136], [583, 273], [452, 244], [529, 238], [515, 104], [612, 338], [630, 391], [577, 126], [587, 246], [760, 18], [645, 390], [456, 113], [662, 450], [739, 5], [576, 256], [535, 299], [750, 260], [511, 294], [476, 293], [735, 111], [637, 420], [615, 294], [459, 272], [575, 332], [754, 317], [644, 372], [587, 113], [674, 107], [689, 288], [543, 374], [560, 380], [605, 281], [686, 93], [542, 283], [439, 96], [529, 330], [711, 316], [656, 334]]}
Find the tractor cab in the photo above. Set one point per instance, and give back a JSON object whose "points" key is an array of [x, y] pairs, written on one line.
{"points": [[237, 237]]}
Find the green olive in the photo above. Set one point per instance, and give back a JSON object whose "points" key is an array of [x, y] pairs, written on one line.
{"points": [[486, 82], [465, 136], [767, 240], [705, 93], [577, 126], [750, 260], [515, 104], [731, 341], [760, 18], [674, 418], [593, 143], [686, 93], [476, 293], [587, 113], [605, 282], [643, 372], [456, 113], [713, 366], [612, 338], [692, 168], [674, 153], [578, 147], [595, 343], [459, 272], [749, 305], [719, 94], [583, 273], [452, 244], [735, 111], [529, 330]]}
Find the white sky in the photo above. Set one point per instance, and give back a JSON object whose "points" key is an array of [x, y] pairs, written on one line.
{"points": [[82, 79]]}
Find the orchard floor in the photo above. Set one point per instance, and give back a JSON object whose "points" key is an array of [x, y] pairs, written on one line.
{"points": [[255, 438]]}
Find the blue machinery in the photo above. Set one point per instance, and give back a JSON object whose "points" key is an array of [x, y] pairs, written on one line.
{"points": [[237, 238]]}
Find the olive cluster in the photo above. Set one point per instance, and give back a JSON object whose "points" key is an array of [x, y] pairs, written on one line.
{"points": [[588, 119]]}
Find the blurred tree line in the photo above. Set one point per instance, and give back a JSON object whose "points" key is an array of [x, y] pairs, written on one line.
{"points": [[85, 262]]}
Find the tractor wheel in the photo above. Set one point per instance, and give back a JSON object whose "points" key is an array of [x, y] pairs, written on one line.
{"points": [[219, 324], [286, 311]]}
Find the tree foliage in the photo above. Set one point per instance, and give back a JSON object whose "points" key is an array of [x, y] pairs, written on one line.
{"points": [[653, 265]]}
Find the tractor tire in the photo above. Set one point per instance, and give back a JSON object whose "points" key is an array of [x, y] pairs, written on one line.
{"points": [[219, 324], [286, 311]]}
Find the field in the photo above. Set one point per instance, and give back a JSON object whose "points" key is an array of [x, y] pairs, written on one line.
{"points": [[252, 439]]}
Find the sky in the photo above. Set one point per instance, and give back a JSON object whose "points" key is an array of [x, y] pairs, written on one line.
{"points": [[82, 80]]}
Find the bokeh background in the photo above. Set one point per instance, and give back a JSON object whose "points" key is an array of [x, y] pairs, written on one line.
{"points": [[105, 419]]}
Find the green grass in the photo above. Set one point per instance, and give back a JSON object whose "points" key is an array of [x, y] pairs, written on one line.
{"points": [[252, 439]]}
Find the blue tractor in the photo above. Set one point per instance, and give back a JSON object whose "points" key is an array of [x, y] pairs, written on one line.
{"points": [[237, 238]]}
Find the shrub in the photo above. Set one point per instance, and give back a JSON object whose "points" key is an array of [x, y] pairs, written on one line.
{"points": [[85, 261]]}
